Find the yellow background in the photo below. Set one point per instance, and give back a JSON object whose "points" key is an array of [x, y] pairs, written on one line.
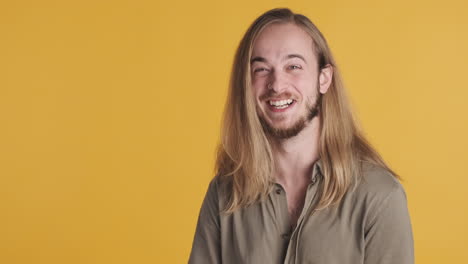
{"points": [[110, 112]]}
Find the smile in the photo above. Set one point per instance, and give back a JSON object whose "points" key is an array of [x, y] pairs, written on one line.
{"points": [[280, 104]]}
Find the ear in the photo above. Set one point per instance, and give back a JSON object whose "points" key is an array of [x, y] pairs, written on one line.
{"points": [[325, 78]]}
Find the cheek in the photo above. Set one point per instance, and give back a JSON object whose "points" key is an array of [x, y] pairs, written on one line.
{"points": [[258, 87], [306, 86]]}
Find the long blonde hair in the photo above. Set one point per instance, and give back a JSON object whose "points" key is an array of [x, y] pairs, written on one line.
{"points": [[245, 154]]}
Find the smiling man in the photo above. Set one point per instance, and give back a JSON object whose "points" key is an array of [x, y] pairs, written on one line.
{"points": [[296, 180]]}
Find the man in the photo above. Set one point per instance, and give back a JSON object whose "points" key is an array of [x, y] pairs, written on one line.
{"points": [[296, 180]]}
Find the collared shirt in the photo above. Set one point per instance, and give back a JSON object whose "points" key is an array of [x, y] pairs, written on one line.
{"points": [[370, 225]]}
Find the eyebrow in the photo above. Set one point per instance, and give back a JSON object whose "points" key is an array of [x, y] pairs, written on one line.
{"points": [[289, 56]]}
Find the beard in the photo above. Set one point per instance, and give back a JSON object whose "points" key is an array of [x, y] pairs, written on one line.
{"points": [[312, 111]]}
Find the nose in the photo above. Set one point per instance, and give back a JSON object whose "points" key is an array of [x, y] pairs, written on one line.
{"points": [[278, 82]]}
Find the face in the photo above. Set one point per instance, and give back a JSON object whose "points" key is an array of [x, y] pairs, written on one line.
{"points": [[286, 81]]}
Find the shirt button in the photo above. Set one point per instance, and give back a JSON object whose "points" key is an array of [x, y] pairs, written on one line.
{"points": [[285, 236], [278, 191]]}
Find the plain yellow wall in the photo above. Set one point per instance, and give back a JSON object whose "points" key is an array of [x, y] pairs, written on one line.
{"points": [[110, 112]]}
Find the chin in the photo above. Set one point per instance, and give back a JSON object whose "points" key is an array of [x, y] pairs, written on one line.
{"points": [[283, 131]]}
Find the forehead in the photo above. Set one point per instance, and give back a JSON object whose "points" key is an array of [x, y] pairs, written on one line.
{"points": [[277, 40]]}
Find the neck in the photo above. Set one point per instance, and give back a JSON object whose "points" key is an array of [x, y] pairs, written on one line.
{"points": [[295, 157]]}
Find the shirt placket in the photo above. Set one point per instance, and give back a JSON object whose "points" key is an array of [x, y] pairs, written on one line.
{"points": [[291, 252], [284, 227]]}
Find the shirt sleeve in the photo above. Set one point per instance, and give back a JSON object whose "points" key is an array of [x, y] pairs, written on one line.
{"points": [[206, 248], [389, 237]]}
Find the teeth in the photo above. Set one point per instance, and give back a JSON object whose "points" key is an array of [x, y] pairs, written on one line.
{"points": [[281, 102], [281, 107]]}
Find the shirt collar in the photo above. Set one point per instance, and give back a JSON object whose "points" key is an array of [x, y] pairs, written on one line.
{"points": [[316, 172]]}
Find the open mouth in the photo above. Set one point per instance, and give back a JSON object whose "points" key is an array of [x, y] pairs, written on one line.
{"points": [[280, 104]]}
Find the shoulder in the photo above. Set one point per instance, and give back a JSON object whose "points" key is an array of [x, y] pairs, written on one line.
{"points": [[385, 222], [211, 207], [377, 182], [219, 189], [378, 190]]}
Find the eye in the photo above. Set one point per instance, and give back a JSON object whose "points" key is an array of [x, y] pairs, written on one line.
{"points": [[260, 72], [260, 69], [295, 67]]}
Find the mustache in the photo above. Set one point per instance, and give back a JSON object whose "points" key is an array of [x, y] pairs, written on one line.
{"points": [[272, 95]]}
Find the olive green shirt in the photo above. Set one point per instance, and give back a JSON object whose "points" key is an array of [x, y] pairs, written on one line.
{"points": [[370, 225]]}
